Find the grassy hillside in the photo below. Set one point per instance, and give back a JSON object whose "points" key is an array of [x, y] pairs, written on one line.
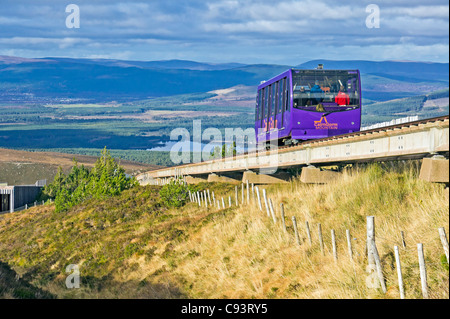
{"points": [[425, 106], [132, 246]]}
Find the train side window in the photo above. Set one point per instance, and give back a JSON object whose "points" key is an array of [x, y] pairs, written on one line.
{"points": [[287, 95], [266, 101], [280, 95], [273, 99], [283, 94], [258, 106]]}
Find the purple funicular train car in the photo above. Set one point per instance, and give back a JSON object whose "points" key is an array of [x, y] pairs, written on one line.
{"points": [[300, 105]]}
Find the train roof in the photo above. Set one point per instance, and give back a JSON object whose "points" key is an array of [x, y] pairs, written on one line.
{"points": [[306, 71]]}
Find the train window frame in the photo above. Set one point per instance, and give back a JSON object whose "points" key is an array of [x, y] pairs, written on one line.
{"points": [[258, 106], [263, 105], [273, 99], [287, 95], [280, 96]]}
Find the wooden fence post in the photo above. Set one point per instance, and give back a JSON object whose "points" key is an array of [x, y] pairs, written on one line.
{"points": [[242, 193], [223, 203], [253, 191], [218, 204], [265, 202], [349, 243], [444, 241], [308, 233], [272, 211], [206, 200], [198, 199], [248, 193], [297, 237], [282, 217], [333, 241], [423, 271], [370, 239], [236, 195], [372, 252], [229, 201], [259, 198], [399, 273], [319, 228], [209, 198], [376, 257]]}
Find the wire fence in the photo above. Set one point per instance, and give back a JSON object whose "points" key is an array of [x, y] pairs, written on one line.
{"points": [[364, 250], [25, 207]]}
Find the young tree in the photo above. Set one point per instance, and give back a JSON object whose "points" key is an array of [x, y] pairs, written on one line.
{"points": [[107, 178]]}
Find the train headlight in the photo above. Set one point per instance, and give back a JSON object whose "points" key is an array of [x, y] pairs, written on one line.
{"points": [[353, 123]]}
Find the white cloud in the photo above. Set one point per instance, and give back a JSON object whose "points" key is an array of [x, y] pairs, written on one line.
{"points": [[237, 30], [429, 11]]}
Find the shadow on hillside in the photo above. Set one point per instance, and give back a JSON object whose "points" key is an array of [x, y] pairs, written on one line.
{"points": [[90, 287], [13, 287], [108, 288]]}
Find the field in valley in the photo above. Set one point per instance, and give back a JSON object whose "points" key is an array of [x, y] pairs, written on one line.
{"points": [[22, 167]]}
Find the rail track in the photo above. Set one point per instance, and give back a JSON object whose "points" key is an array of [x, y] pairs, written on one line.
{"points": [[414, 139], [360, 133]]}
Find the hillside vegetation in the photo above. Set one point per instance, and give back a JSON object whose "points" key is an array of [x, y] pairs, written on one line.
{"points": [[425, 106], [134, 246]]}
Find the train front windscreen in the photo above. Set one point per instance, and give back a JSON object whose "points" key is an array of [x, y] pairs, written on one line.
{"points": [[326, 90]]}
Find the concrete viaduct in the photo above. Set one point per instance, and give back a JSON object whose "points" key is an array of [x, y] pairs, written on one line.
{"points": [[414, 140]]}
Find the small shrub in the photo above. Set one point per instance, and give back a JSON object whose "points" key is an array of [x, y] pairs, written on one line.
{"points": [[444, 262], [107, 178], [174, 194]]}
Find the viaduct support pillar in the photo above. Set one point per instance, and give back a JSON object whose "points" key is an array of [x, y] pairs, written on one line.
{"points": [[229, 178], [435, 170], [313, 175], [277, 178]]}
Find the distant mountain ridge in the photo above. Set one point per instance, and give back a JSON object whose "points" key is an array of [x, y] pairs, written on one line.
{"points": [[162, 64], [47, 80], [414, 70]]}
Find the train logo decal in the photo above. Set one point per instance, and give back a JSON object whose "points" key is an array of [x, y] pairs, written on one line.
{"points": [[320, 125], [272, 124]]}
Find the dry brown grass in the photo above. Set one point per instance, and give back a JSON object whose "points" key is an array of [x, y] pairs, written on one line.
{"points": [[239, 252], [61, 159], [247, 256]]}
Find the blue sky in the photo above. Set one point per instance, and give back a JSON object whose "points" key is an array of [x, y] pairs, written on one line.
{"points": [[247, 31]]}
